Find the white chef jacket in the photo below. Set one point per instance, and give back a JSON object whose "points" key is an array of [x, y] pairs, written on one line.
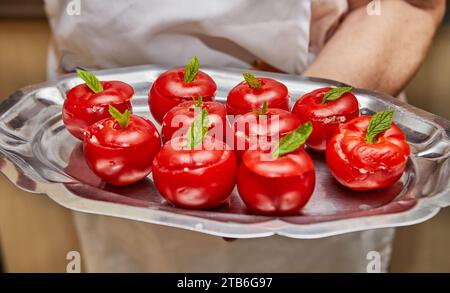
{"points": [[236, 33]]}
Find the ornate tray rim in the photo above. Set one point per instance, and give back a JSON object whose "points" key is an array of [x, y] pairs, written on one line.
{"points": [[27, 179]]}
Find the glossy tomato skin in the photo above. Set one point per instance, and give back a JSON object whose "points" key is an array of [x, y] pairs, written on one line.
{"points": [[178, 120], [83, 107], [252, 131], [279, 187], [195, 179], [169, 90], [324, 117], [121, 156], [243, 99], [362, 166]]}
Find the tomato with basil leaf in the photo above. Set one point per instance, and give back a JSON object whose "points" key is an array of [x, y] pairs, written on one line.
{"points": [[120, 149], [195, 171], [88, 103], [261, 127], [278, 182], [368, 153], [253, 92], [326, 108], [178, 120], [179, 85]]}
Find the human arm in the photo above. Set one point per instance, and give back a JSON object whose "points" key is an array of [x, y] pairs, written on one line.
{"points": [[380, 52]]}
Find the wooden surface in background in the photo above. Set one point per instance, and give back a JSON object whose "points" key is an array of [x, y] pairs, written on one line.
{"points": [[430, 87], [22, 8], [36, 233]]}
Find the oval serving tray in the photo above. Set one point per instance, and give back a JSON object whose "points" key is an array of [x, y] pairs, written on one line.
{"points": [[39, 155]]}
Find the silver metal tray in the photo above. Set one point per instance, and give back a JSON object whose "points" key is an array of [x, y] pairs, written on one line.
{"points": [[39, 155]]}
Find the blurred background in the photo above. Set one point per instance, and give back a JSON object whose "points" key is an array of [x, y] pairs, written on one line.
{"points": [[36, 233]]}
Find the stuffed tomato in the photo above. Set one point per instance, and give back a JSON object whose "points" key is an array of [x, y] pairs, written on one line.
{"points": [[120, 149], [195, 171], [89, 102], [326, 108], [253, 92], [278, 182], [368, 153], [179, 85], [259, 128], [178, 120]]}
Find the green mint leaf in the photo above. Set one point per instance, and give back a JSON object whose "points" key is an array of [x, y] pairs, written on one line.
{"points": [[91, 80], [191, 70], [198, 102], [252, 81], [379, 123], [262, 111], [292, 141], [335, 93], [264, 108], [122, 119], [198, 129]]}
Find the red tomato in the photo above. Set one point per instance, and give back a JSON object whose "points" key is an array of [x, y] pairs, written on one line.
{"points": [[243, 98], [253, 130], [169, 90], [276, 187], [83, 107], [178, 120], [363, 166], [195, 178], [325, 117], [121, 156]]}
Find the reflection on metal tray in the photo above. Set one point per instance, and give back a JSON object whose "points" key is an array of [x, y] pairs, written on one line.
{"points": [[39, 155]]}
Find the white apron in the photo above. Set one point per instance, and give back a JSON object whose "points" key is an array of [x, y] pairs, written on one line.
{"points": [[237, 33]]}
